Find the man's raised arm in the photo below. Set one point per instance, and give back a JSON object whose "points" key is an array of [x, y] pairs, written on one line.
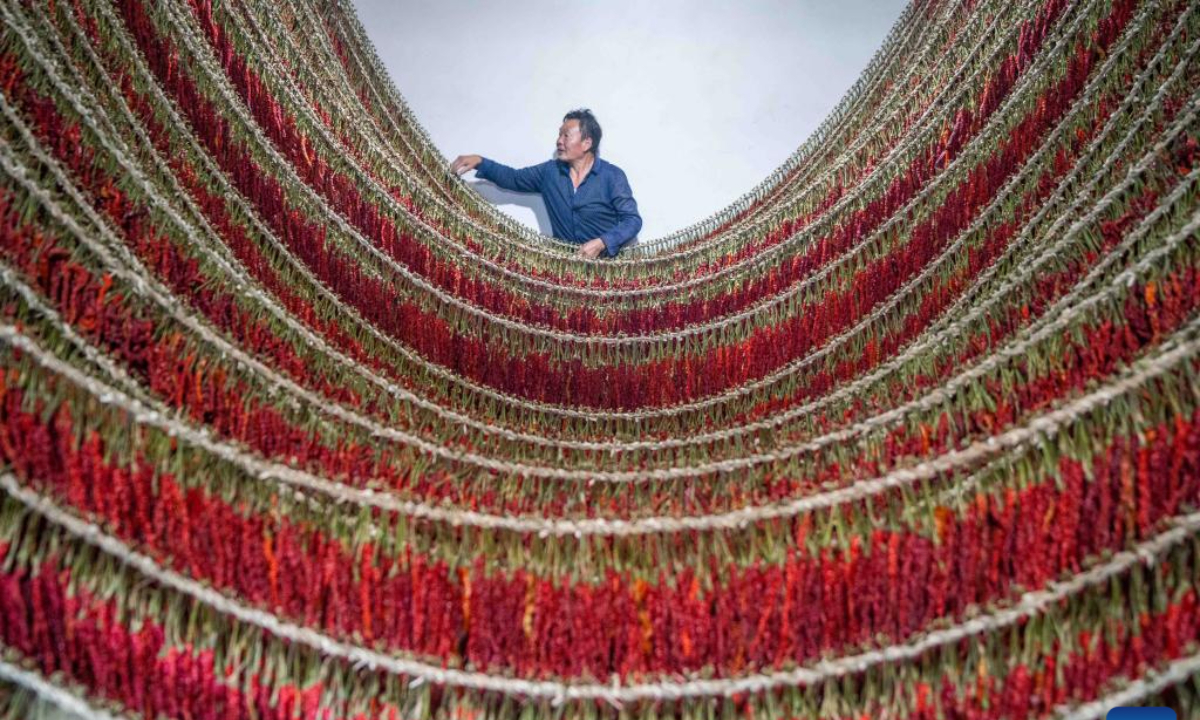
{"points": [[527, 179]]}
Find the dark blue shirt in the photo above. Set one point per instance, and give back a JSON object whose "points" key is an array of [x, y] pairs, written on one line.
{"points": [[601, 207]]}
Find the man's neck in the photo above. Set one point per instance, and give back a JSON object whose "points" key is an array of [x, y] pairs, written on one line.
{"points": [[580, 167]]}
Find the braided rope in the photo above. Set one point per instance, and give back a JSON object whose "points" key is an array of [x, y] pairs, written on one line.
{"points": [[1155, 681], [61, 698]]}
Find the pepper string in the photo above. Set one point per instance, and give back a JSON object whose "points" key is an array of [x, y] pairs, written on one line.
{"points": [[191, 383], [185, 395], [30, 455], [284, 547], [293, 424], [1155, 591]]}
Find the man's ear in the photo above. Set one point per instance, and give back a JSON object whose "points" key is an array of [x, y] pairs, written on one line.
{"points": [[589, 142]]}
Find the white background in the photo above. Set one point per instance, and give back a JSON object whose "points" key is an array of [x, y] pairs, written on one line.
{"points": [[699, 101]]}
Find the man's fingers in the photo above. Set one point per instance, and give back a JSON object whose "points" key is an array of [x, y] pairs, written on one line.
{"points": [[589, 251]]}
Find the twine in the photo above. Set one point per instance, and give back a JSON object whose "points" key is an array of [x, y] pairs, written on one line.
{"points": [[54, 694], [1147, 553], [1154, 682], [1178, 350]]}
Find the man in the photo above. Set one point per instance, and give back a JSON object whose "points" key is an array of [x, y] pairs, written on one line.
{"points": [[588, 199]]}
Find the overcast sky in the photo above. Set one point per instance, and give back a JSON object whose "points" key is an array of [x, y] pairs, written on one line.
{"points": [[698, 100]]}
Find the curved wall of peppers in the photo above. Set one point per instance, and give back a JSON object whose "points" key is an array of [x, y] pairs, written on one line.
{"points": [[294, 425]]}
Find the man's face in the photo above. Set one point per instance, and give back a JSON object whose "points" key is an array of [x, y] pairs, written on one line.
{"points": [[571, 146]]}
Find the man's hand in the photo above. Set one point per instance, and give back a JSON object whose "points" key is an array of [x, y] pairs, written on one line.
{"points": [[591, 249], [463, 163]]}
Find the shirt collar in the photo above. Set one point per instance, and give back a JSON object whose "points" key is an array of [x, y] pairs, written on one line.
{"points": [[597, 166]]}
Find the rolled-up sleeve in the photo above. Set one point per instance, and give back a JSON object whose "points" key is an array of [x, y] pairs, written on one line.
{"points": [[629, 222], [528, 179]]}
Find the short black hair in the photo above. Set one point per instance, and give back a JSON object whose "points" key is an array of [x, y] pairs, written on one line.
{"points": [[589, 127]]}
